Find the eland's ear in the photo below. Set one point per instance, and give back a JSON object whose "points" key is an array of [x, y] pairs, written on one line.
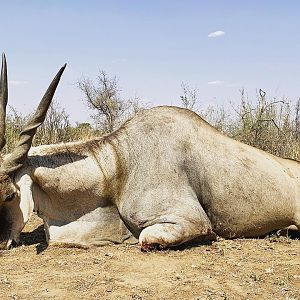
{"points": [[17, 158], [3, 100]]}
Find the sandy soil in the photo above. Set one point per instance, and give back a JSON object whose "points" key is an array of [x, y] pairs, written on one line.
{"points": [[266, 268]]}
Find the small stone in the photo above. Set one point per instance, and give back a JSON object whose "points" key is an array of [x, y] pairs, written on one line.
{"points": [[269, 270]]}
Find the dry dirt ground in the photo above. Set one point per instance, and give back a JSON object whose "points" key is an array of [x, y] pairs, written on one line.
{"points": [[266, 268]]}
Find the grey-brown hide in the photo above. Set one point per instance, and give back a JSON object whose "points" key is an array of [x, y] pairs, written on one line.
{"points": [[165, 177]]}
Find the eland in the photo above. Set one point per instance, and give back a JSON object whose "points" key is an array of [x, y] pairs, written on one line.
{"points": [[164, 178]]}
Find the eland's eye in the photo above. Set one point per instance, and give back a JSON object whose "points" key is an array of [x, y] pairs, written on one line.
{"points": [[10, 197]]}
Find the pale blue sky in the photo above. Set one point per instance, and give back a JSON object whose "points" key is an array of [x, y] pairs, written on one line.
{"points": [[151, 46]]}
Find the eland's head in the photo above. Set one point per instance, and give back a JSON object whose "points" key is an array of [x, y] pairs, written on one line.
{"points": [[11, 214]]}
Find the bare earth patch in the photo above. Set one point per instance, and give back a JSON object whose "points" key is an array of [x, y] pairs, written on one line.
{"points": [[228, 269]]}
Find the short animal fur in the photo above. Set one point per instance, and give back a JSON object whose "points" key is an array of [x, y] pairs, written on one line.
{"points": [[164, 178]]}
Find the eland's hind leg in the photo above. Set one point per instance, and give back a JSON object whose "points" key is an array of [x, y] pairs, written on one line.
{"points": [[174, 231], [171, 219]]}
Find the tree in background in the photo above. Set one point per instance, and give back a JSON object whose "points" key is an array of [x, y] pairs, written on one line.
{"points": [[189, 97], [83, 131], [269, 124], [55, 129], [102, 96]]}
